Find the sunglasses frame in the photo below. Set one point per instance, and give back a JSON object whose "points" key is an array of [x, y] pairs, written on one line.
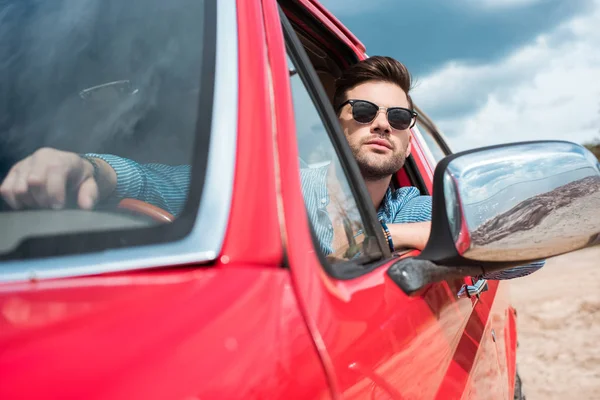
{"points": [[413, 113]]}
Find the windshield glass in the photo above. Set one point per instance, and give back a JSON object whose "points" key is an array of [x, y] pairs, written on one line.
{"points": [[101, 128]]}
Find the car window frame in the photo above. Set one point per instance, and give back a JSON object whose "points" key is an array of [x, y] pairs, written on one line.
{"points": [[37, 247], [351, 268], [437, 136], [195, 247]]}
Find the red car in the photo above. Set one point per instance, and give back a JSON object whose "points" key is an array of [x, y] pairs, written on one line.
{"points": [[232, 298]]}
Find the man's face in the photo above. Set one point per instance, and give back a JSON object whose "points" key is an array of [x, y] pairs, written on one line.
{"points": [[379, 149]]}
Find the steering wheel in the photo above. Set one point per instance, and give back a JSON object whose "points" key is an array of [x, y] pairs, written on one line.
{"points": [[142, 208]]}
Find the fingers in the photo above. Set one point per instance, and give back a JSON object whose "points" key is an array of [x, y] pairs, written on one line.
{"points": [[6, 189], [88, 194], [21, 191], [43, 179], [36, 186], [55, 187], [14, 187]]}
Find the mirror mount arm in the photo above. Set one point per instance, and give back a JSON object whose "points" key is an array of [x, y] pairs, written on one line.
{"points": [[413, 274]]}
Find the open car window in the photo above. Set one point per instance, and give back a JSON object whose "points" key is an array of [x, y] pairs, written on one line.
{"points": [[346, 232], [330, 203], [123, 81], [437, 150]]}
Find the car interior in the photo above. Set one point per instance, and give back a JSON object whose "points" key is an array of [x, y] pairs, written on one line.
{"points": [[327, 69], [113, 83]]}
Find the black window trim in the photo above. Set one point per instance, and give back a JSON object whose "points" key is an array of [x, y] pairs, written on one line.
{"points": [[312, 27], [352, 268]]}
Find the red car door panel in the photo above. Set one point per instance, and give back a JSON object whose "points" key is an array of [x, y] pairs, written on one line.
{"points": [[210, 333], [374, 340]]}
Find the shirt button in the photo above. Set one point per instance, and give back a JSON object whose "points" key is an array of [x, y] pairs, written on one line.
{"points": [[323, 200]]}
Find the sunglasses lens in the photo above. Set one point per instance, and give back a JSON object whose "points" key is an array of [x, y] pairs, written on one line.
{"points": [[364, 112], [400, 119]]}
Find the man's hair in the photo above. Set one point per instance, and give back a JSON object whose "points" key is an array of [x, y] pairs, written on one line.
{"points": [[376, 68]]}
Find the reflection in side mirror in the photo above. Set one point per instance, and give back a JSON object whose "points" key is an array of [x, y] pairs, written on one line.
{"points": [[520, 202]]}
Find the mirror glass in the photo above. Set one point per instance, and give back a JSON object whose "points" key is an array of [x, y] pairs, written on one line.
{"points": [[523, 201]]}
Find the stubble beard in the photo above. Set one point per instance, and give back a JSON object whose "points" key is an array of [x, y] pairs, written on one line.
{"points": [[374, 166]]}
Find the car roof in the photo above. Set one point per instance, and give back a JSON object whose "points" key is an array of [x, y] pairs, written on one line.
{"points": [[333, 24]]}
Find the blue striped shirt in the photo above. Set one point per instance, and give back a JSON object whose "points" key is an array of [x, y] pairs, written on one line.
{"points": [[161, 185], [167, 187], [399, 206]]}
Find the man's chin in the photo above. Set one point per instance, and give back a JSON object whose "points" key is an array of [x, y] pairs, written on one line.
{"points": [[373, 171]]}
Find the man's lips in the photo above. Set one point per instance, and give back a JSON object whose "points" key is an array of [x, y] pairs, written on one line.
{"points": [[380, 142]]}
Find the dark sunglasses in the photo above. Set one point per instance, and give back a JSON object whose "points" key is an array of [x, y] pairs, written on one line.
{"points": [[364, 112]]}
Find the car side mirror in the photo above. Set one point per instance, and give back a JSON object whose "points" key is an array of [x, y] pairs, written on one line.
{"points": [[503, 206], [507, 205]]}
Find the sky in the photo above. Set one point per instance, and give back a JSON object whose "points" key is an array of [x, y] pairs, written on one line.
{"points": [[491, 71]]}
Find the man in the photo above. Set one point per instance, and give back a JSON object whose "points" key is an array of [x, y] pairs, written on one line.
{"points": [[375, 112]]}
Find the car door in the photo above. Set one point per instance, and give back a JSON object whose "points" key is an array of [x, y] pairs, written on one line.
{"points": [[374, 341], [494, 298]]}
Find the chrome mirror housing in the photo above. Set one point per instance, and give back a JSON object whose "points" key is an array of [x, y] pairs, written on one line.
{"points": [[509, 204]]}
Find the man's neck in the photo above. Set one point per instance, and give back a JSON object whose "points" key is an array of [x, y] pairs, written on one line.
{"points": [[377, 189]]}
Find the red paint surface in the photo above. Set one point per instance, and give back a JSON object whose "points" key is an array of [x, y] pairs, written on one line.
{"points": [[374, 340], [463, 241], [335, 26], [252, 329], [253, 237], [209, 333]]}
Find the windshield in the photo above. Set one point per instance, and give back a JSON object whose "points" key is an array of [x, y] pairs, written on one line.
{"points": [[101, 124]]}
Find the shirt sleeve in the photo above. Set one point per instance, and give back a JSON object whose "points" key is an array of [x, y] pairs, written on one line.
{"points": [[515, 272], [161, 185], [314, 187], [409, 206]]}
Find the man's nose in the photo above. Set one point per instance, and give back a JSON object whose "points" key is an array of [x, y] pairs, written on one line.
{"points": [[380, 124]]}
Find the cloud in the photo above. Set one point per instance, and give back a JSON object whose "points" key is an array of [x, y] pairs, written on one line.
{"points": [[501, 4], [547, 89], [346, 8]]}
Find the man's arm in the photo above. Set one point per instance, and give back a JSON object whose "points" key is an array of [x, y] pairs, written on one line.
{"points": [[410, 216], [515, 272], [45, 178], [415, 235], [161, 185], [410, 235]]}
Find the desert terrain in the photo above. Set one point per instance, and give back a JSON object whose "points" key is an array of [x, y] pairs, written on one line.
{"points": [[559, 328]]}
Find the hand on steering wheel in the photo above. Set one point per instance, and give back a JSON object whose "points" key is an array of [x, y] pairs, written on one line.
{"points": [[45, 178], [147, 209]]}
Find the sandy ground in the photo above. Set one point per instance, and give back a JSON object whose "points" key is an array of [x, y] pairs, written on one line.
{"points": [[559, 328]]}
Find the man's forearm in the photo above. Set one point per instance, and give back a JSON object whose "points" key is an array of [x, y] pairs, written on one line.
{"points": [[416, 235], [410, 235], [161, 185]]}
